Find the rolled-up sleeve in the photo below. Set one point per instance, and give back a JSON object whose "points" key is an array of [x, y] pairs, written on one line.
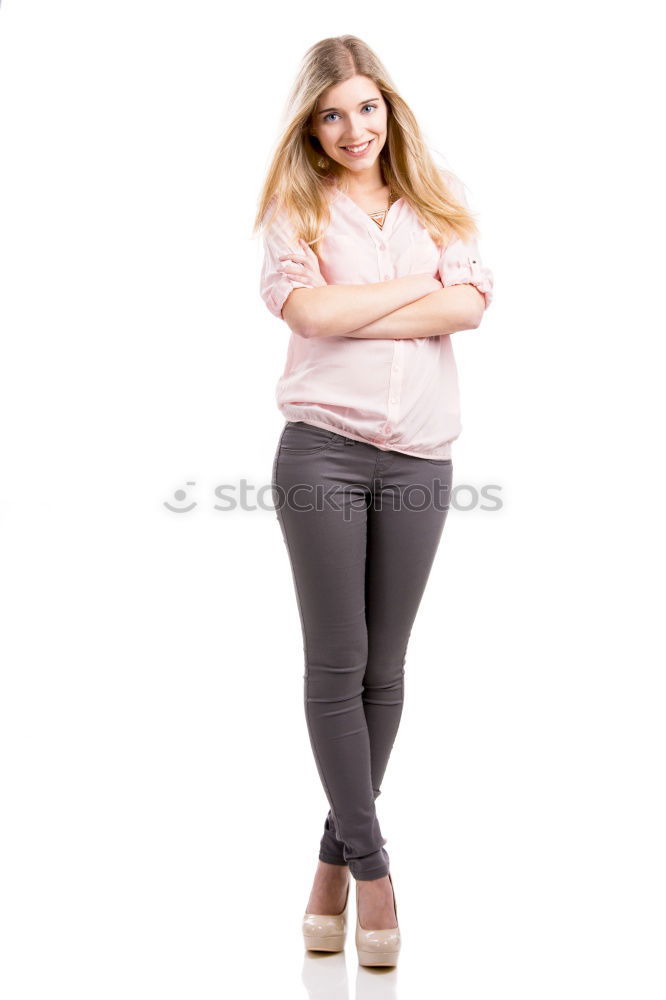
{"points": [[460, 262], [274, 287]]}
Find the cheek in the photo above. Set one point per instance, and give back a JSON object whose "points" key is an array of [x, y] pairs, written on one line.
{"points": [[329, 140], [380, 125]]}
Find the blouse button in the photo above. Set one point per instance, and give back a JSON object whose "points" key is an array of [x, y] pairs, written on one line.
{"points": [[382, 246], [387, 277]]}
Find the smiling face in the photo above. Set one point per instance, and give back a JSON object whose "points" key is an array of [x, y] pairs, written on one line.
{"points": [[352, 114]]}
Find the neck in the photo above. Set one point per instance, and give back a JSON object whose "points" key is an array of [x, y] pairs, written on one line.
{"points": [[363, 182]]}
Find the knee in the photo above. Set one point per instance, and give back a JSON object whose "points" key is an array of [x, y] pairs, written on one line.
{"points": [[337, 669], [384, 674]]}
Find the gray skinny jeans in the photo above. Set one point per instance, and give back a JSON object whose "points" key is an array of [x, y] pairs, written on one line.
{"points": [[361, 527]]}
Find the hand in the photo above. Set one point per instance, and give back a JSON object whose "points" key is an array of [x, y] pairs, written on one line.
{"points": [[306, 266], [432, 282]]}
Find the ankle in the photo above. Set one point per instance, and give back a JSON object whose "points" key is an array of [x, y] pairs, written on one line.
{"points": [[378, 885], [332, 870]]}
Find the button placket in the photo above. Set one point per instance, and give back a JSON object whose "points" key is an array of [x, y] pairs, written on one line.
{"points": [[383, 260], [385, 267], [395, 378]]}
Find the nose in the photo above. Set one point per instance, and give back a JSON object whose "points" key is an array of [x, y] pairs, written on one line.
{"points": [[357, 132]]}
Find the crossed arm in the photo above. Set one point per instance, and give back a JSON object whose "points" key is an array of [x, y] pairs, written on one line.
{"points": [[447, 310], [417, 305]]}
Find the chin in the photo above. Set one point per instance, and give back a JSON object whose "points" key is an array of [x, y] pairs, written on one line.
{"points": [[361, 164]]}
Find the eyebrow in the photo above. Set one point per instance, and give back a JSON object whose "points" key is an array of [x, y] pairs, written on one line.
{"points": [[360, 104]]}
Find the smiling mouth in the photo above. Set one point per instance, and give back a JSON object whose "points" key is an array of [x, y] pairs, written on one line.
{"points": [[358, 148]]}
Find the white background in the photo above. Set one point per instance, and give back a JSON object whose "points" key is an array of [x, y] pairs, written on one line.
{"points": [[161, 806]]}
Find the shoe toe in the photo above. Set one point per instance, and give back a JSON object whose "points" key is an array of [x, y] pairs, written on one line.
{"points": [[323, 924]]}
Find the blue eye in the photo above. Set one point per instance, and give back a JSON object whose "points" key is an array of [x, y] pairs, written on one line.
{"points": [[327, 117]]}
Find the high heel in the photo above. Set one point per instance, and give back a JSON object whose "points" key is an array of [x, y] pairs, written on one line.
{"points": [[326, 931], [379, 947]]}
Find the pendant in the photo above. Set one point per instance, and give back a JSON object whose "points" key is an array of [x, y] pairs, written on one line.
{"points": [[379, 218]]}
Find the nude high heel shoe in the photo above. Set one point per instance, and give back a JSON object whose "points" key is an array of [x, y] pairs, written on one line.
{"points": [[380, 947], [326, 931]]}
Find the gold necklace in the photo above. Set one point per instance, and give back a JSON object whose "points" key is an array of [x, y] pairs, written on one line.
{"points": [[380, 217]]}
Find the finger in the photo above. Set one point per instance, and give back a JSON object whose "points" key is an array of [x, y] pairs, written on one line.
{"points": [[296, 264], [294, 274], [293, 256]]}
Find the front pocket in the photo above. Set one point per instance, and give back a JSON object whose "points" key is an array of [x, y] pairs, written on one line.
{"points": [[300, 438], [423, 253]]}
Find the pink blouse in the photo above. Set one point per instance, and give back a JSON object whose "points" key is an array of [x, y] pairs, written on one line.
{"points": [[400, 395]]}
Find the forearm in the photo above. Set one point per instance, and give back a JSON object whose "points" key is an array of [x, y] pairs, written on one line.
{"points": [[337, 310], [458, 307]]}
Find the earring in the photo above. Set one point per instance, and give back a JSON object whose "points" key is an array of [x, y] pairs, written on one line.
{"points": [[323, 162]]}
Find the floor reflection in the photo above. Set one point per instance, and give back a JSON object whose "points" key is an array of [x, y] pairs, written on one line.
{"points": [[326, 977]]}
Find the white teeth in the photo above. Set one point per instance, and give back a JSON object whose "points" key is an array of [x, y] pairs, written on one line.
{"points": [[357, 149]]}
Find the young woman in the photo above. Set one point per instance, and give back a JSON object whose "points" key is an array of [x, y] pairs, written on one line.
{"points": [[371, 259]]}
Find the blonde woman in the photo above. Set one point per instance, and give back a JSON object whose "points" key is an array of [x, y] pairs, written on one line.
{"points": [[372, 261]]}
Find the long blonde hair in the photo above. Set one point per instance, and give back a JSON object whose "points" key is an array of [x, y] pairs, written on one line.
{"points": [[298, 184]]}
